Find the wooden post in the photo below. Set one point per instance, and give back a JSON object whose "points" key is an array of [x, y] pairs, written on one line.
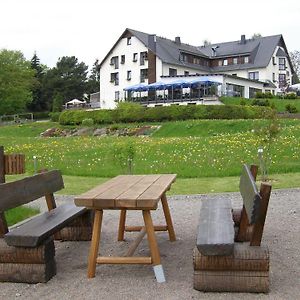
{"points": [[95, 243], [167, 214], [122, 225], [50, 201], [3, 223], [2, 165], [254, 171], [265, 192]]}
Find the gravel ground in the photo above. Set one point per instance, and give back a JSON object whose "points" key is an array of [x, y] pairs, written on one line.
{"points": [[281, 234]]}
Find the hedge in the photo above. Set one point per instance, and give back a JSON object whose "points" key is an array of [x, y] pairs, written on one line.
{"points": [[131, 112]]}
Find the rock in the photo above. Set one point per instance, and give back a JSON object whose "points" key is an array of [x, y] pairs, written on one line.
{"points": [[49, 132], [100, 131], [82, 131]]}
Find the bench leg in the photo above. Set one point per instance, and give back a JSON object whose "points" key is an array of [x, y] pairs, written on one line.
{"points": [[122, 225], [168, 218], [155, 256], [95, 243]]}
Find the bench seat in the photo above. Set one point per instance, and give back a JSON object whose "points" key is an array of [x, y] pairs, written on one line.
{"points": [[216, 228], [39, 228]]}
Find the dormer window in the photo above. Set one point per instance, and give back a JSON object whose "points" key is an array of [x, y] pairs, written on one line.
{"points": [[129, 41], [225, 62], [246, 59], [235, 60]]}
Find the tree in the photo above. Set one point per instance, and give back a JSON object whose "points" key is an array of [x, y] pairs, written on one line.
{"points": [[57, 103], [93, 84], [68, 78], [256, 36], [16, 80], [295, 58], [38, 103]]}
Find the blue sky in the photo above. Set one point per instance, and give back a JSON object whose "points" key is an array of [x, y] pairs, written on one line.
{"points": [[88, 29]]}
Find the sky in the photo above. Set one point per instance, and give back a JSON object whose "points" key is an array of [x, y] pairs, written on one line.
{"points": [[87, 29]]}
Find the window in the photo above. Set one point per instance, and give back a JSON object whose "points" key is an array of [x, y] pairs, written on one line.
{"points": [[143, 57], [273, 77], [220, 63], [235, 61], [135, 56], [282, 79], [114, 61], [128, 75], [129, 41], [281, 63], [122, 59], [253, 75], [114, 78], [186, 73], [117, 96], [274, 60], [234, 74], [172, 72], [246, 59], [225, 62], [144, 74]]}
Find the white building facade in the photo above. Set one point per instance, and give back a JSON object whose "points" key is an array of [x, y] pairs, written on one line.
{"points": [[255, 65]]}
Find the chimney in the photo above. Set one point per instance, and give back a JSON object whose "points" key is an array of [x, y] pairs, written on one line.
{"points": [[152, 42], [243, 39], [177, 40]]}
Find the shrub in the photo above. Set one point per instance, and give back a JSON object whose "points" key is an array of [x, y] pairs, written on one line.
{"points": [[243, 102], [41, 115], [290, 96], [260, 102], [291, 108], [54, 116], [137, 113], [261, 95], [87, 122]]}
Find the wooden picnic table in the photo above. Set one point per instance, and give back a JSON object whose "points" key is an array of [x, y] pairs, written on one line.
{"points": [[130, 192]]}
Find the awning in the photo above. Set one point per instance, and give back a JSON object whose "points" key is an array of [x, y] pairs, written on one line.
{"points": [[137, 88]]}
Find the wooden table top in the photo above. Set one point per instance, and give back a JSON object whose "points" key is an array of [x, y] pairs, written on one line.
{"points": [[127, 191]]}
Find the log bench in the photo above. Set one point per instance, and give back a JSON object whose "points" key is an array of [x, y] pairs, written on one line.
{"points": [[229, 256], [27, 252]]}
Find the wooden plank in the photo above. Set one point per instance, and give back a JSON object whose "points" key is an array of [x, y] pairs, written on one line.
{"points": [[2, 165], [250, 194], [244, 258], [258, 228], [19, 192], [50, 201], [232, 281], [139, 228], [216, 228], [3, 225], [38, 255], [104, 196], [27, 273], [153, 194], [136, 242], [124, 260], [128, 197], [36, 230]]}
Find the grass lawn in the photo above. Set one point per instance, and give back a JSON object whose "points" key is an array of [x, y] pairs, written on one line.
{"points": [[191, 149], [18, 214], [280, 104]]}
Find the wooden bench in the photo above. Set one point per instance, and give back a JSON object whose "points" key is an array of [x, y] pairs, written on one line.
{"points": [[27, 250], [229, 256]]}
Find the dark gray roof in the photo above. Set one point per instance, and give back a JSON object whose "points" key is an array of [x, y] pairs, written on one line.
{"points": [[259, 49], [280, 52]]}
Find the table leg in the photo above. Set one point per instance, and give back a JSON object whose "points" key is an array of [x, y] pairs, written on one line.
{"points": [[122, 225], [168, 218], [157, 267], [95, 243]]}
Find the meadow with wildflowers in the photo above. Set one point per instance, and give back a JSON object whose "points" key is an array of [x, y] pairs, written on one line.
{"points": [[197, 148]]}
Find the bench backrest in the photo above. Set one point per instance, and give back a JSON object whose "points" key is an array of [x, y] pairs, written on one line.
{"points": [[16, 193], [250, 194], [255, 206]]}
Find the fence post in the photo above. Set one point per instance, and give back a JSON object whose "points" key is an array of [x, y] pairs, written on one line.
{"points": [[2, 165]]}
